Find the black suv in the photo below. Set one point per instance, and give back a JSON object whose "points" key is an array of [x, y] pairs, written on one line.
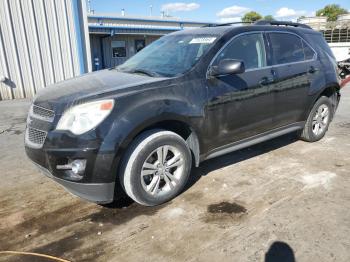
{"points": [[189, 96]]}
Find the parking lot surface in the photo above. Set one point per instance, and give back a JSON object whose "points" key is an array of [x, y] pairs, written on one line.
{"points": [[282, 197]]}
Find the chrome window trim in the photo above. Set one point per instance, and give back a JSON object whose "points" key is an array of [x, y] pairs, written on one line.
{"points": [[265, 67]]}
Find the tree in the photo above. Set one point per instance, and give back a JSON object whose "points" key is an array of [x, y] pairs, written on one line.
{"points": [[269, 18], [331, 11], [301, 17], [251, 17]]}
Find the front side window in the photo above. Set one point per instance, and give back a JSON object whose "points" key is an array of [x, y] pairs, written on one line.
{"points": [[248, 48], [286, 48]]}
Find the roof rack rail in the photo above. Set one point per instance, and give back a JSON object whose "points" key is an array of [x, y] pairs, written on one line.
{"points": [[283, 23], [226, 24]]}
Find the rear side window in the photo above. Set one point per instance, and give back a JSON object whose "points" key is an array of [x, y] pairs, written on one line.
{"points": [[309, 53], [286, 48], [248, 48]]}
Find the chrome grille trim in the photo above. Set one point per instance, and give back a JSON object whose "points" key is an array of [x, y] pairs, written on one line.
{"points": [[35, 138], [42, 113]]}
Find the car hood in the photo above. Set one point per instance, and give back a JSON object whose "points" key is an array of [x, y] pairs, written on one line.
{"points": [[90, 86]]}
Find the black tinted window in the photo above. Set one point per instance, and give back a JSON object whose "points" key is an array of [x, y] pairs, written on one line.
{"points": [[286, 48], [319, 43], [248, 48], [309, 53]]}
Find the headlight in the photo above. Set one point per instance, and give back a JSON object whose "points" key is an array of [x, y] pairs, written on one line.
{"points": [[82, 118]]}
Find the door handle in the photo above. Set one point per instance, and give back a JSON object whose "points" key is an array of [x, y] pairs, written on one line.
{"points": [[266, 81], [312, 70]]}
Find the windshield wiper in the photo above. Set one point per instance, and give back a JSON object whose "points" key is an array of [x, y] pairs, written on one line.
{"points": [[145, 72]]}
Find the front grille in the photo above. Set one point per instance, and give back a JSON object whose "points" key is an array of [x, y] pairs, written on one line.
{"points": [[43, 113], [38, 123], [35, 137]]}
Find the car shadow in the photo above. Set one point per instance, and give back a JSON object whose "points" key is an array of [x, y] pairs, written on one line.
{"points": [[238, 156]]}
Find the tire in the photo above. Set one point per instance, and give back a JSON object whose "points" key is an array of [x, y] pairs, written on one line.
{"points": [[317, 117], [147, 178]]}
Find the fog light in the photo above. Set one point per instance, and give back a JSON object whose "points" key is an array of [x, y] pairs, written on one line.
{"points": [[78, 166]]}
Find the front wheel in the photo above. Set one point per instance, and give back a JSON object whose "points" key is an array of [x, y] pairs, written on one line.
{"points": [[318, 120], [156, 167]]}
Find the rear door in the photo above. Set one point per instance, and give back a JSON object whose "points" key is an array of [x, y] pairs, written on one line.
{"points": [[292, 63]]}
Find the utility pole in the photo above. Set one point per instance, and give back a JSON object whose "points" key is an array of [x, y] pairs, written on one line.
{"points": [[150, 10], [90, 10], [89, 6]]}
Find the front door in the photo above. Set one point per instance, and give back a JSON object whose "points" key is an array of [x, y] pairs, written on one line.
{"points": [[241, 105]]}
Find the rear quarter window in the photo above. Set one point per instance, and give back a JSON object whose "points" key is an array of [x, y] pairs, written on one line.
{"points": [[319, 43], [308, 51]]}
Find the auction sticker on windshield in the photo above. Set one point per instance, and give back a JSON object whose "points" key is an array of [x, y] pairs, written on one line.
{"points": [[203, 40]]}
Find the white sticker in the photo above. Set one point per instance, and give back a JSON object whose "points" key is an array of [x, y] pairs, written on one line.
{"points": [[203, 40]]}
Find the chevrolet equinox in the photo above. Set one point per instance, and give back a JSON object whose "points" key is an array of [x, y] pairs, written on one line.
{"points": [[190, 96]]}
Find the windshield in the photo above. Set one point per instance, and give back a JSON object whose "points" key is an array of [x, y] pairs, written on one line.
{"points": [[169, 56]]}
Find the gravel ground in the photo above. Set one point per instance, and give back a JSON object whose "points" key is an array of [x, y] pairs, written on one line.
{"points": [[283, 197]]}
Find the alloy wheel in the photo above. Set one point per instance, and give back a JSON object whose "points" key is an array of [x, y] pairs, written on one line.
{"points": [[320, 120], [162, 170]]}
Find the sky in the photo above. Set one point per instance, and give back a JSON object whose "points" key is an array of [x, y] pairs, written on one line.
{"points": [[216, 10]]}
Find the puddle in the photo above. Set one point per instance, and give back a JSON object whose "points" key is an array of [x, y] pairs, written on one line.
{"points": [[224, 212], [226, 208]]}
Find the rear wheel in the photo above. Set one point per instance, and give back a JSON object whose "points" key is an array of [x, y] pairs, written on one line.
{"points": [[318, 120], [156, 167]]}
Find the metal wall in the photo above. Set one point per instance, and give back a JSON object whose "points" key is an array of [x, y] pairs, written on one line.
{"points": [[41, 42]]}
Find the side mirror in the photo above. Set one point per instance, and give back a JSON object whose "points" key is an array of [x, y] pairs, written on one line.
{"points": [[227, 67]]}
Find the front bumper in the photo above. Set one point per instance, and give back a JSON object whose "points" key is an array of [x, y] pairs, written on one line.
{"points": [[54, 152], [98, 181], [102, 193]]}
